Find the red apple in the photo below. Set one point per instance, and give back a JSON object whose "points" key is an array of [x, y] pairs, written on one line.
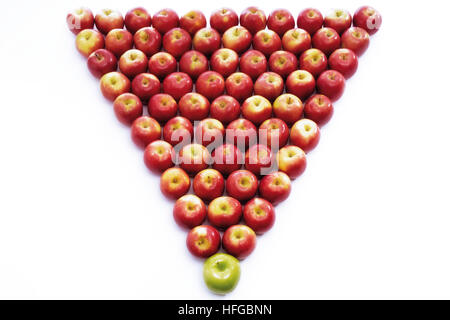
{"points": [[367, 18], [300, 83], [253, 19], [177, 84], [227, 159], [176, 42], [162, 64], [258, 159], [101, 61], [148, 40], [133, 62], [203, 241], [288, 108], [118, 41], [162, 107], [314, 61], [292, 161], [210, 131], [239, 241], [267, 42], [275, 187], [280, 21], [194, 106], [225, 109], [127, 107], [194, 158], [310, 20], [209, 184], [326, 40], [164, 20], [319, 109], [174, 183], [88, 41], [178, 130], [189, 211], [193, 21], [194, 63], [283, 63], [305, 134], [136, 19], [108, 19], [223, 19], [145, 86], [296, 41], [356, 39], [144, 131], [224, 61], [224, 212], [332, 84], [273, 133], [340, 20], [159, 156], [239, 85], [113, 84], [206, 40], [210, 84], [259, 215], [80, 19], [237, 38], [253, 63], [257, 109], [242, 185], [242, 133], [269, 85], [345, 61]]}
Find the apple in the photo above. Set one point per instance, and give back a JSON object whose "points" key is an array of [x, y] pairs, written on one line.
{"points": [[239, 241], [356, 39], [101, 61], [224, 61], [300, 83], [162, 107], [193, 21], [283, 63], [162, 64], [223, 19], [256, 109], [88, 41], [210, 131], [319, 109], [127, 107], [80, 19], [224, 212], [164, 20], [368, 19], [253, 63], [269, 85], [225, 109], [209, 184], [221, 273], [267, 42], [288, 108], [108, 19], [118, 41], [194, 158], [292, 161], [148, 40], [340, 20], [203, 241], [210, 84], [136, 19], [258, 159], [242, 185], [280, 21], [296, 41], [242, 133], [310, 20], [145, 86], [113, 84], [237, 38], [206, 40], [275, 187], [189, 211], [239, 85], [145, 130], [314, 61], [326, 40], [177, 84], [178, 130], [273, 131], [345, 61], [194, 63], [227, 159], [194, 106], [133, 62], [332, 84], [253, 19], [176, 42], [174, 183], [259, 215], [159, 156], [305, 134]]}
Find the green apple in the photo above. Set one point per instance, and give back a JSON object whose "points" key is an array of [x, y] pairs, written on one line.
{"points": [[221, 273]]}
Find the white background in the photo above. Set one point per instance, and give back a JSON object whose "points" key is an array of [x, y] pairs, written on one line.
{"points": [[81, 217]]}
